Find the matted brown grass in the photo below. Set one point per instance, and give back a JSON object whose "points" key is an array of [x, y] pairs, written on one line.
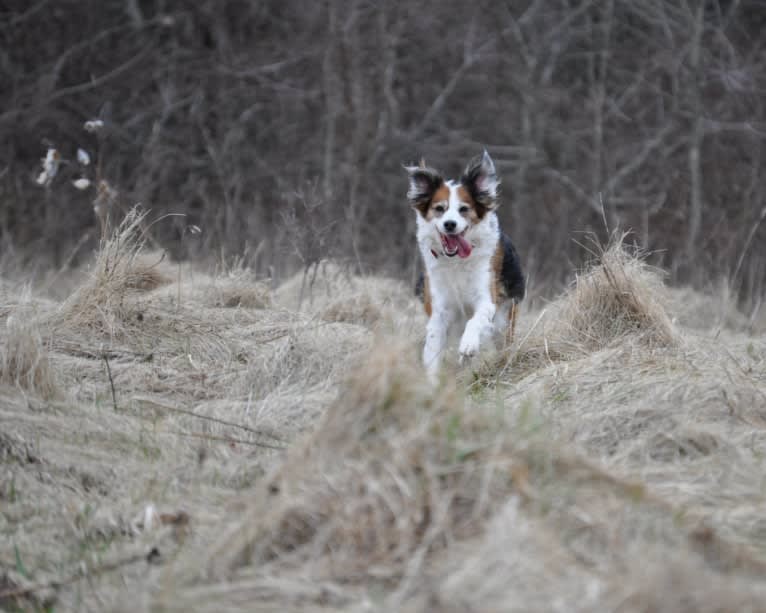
{"points": [[208, 444]]}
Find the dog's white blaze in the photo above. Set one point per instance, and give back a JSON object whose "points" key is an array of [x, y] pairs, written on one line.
{"points": [[453, 210]]}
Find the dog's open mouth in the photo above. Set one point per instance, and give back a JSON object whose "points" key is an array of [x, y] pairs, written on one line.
{"points": [[455, 244]]}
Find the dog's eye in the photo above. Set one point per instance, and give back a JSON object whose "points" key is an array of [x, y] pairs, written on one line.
{"points": [[439, 208], [463, 210]]}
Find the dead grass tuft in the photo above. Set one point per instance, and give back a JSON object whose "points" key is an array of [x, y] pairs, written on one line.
{"points": [[146, 273], [100, 303], [333, 294], [393, 471], [619, 295], [239, 289], [24, 358], [254, 297], [679, 585], [619, 299], [358, 309]]}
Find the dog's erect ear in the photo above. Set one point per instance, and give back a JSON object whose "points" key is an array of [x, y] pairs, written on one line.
{"points": [[424, 182], [480, 179]]}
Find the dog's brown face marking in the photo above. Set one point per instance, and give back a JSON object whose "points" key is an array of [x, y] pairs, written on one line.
{"points": [[438, 204], [473, 214], [477, 209]]}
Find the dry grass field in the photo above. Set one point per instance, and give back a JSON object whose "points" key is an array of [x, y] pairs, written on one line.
{"points": [[178, 441]]}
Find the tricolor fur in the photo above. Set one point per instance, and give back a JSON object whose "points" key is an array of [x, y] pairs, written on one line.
{"points": [[472, 272]]}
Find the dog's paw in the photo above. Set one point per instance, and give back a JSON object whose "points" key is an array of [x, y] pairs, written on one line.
{"points": [[469, 345]]}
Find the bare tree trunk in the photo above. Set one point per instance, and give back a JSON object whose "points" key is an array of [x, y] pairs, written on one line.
{"points": [[330, 83], [695, 188], [356, 210], [599, 86], [134, 12], [695, 142]]}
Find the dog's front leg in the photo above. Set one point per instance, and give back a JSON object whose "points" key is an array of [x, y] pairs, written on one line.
{"points": [[436, 339], [477, 329]]}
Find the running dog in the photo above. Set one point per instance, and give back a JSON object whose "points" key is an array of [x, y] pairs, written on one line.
{"points": [[472, 271]]}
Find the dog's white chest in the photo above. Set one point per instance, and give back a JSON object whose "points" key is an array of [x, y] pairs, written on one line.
{"points": [[460, 284]]}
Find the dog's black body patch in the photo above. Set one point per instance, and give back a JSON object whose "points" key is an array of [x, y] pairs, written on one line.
{"points": [[511, 275], [420, 285]]}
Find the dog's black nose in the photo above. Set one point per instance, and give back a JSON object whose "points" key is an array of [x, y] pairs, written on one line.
{"points": [[449, 226]]}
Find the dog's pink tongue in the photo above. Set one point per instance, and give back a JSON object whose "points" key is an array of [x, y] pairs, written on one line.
{"points": [[463, 247], [455, 241]]}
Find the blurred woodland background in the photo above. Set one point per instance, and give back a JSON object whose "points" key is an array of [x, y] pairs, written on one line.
{"points": [[280, 127]]}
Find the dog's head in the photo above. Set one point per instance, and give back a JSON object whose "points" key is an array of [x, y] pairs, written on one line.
{"points": [[454, 207]]}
